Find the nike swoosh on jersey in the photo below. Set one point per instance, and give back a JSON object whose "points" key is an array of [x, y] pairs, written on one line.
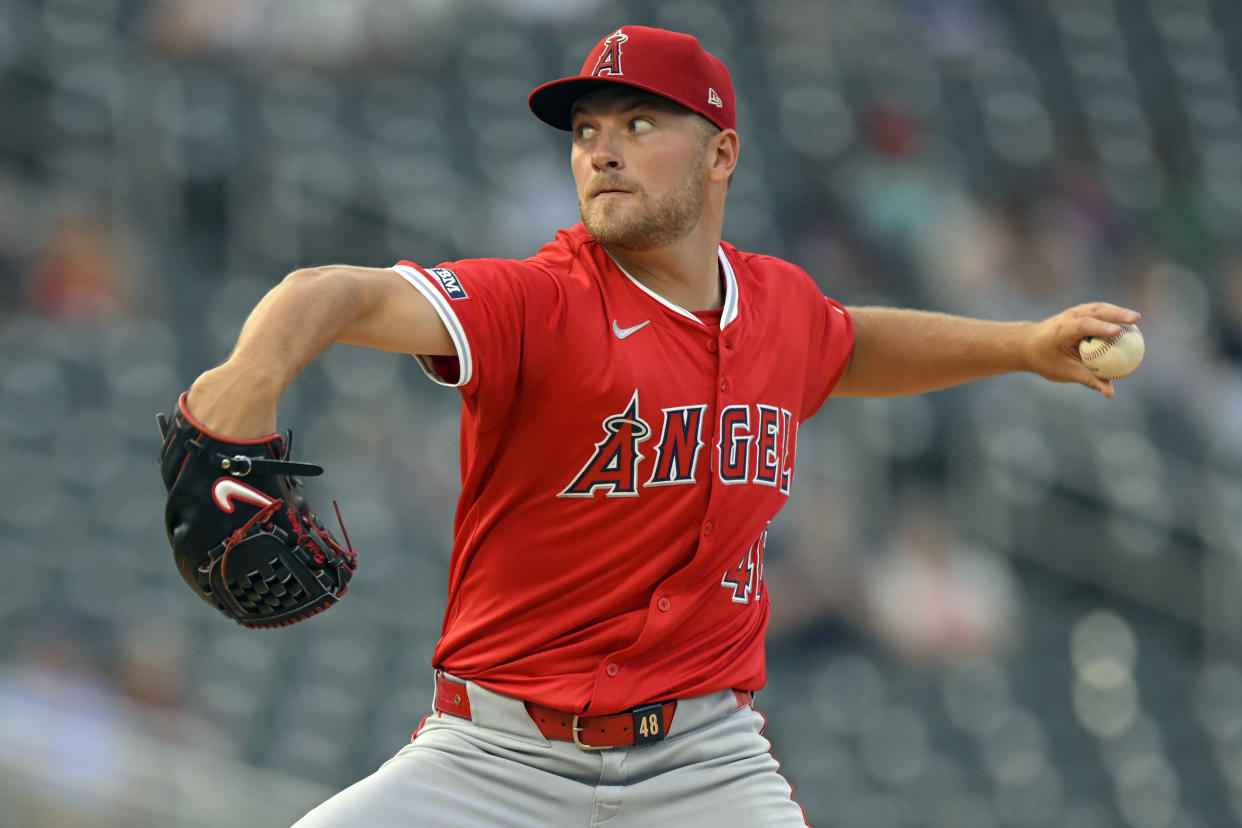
{"points": [[622, 333], [225, 490]]}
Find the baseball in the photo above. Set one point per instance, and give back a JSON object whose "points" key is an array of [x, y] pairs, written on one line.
{"points": [[1115, 357]]}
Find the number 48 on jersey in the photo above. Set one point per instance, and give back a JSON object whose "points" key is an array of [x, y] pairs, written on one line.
{"points": [[746, 579]]}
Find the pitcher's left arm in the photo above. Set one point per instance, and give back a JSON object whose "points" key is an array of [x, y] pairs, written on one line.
{"points": [[899, 352]]}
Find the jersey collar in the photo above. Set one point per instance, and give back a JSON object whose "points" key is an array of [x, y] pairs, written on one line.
{"points": [[728, 312]]}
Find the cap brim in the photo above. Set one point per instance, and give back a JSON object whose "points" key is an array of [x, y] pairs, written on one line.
{"points": [[553, 102]]}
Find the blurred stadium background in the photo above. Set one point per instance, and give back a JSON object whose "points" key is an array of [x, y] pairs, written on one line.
{"points": [[1012, 604]]}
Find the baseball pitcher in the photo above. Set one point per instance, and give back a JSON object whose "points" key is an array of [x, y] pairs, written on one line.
{"points": [[632, 395]]}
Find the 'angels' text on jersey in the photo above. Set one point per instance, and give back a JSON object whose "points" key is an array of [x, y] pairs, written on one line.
{"points": [[755, 444]]}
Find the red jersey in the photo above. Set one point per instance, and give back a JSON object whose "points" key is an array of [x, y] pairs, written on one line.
{"points": [[621, 459]]}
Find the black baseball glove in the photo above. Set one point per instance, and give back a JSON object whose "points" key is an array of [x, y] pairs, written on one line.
{"points": [[242, 535]]}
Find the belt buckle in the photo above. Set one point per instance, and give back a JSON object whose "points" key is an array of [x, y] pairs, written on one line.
{"points": [[576, 730]]}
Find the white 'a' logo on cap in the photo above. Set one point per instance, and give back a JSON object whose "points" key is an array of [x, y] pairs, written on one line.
{"points": [[714, 99], [609, 62]]}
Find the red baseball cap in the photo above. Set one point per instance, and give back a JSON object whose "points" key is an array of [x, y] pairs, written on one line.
{"points": [[669, 64]]}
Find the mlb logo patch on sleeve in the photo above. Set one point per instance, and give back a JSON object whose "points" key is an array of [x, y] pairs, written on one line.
{"points": [[449, 281]]}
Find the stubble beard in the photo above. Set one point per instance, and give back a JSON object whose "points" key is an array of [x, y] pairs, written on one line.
{"points": [[648, 224]]}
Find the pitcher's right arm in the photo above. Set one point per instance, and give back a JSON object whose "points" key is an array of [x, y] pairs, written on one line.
{"points": [[296, 321]]}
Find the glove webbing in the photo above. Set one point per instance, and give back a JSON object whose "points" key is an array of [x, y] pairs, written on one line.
{"points": [[236, 537]]}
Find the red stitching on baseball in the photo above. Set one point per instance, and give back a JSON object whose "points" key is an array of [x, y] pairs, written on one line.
{"points": [[1103, 346]]}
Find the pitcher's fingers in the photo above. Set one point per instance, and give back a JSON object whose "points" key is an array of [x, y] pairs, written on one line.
{"points": [[1086, 326], [1110, 313], [1100, 384]]}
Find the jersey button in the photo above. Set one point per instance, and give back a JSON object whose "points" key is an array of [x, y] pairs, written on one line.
{"points": [[664, 604], [712, 346], [612, 669], [707, 528], [724, 383]]}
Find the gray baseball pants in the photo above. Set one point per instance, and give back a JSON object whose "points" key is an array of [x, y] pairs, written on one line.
{"points": [[713, 769]]}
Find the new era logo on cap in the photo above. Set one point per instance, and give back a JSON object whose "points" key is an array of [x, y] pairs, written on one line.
{"points": [[669, 64]]}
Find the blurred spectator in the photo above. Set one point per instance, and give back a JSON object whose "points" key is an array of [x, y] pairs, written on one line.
{"points": [[923, 594], [811, 569], [1229, 309], [931, 596], [80, 720], [953, 28], [898, 187], [1013, 257], [302, 32], [12, 291], [59, 723], [83, 272], [547, 10]]}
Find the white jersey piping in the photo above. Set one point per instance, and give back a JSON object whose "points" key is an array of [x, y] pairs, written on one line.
{"points": [[424, 285], [728, 312]]}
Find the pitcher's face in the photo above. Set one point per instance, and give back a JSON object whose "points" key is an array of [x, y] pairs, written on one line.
{"points": [[640, 163]]}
